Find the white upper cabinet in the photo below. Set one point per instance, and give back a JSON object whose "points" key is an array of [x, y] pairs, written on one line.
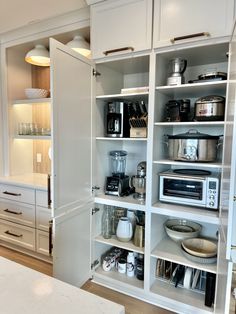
{"points": [[120, 26], [182, 21]]}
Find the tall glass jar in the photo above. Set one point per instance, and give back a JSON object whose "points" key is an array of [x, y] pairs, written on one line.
{"points": [[106, 223]]}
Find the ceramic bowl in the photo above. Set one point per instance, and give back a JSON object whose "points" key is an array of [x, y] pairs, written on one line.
{"points": [[181, 229], [32, 93], [200, 247], [197, 259]]}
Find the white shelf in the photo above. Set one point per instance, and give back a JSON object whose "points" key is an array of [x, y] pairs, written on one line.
{"points": [[31, 101], [114, 275], [32, 137], [126, 202], [190, 123], [135, 139], [186, 212], [168, 250], [217, 165], [123, 245], [194, 300], [129, 96], [191, 90]]}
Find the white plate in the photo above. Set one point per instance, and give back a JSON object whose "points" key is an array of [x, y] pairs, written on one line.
{"points": [[200, 247]]}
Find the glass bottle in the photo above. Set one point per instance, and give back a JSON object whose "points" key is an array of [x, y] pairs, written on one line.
{"points": [[106, 223]]}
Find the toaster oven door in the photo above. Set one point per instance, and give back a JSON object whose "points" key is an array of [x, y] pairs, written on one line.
{"points": [[187, 191]]}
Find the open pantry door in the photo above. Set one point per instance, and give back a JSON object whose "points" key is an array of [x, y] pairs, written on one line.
{"points": [[71, 92], [227, 238]]}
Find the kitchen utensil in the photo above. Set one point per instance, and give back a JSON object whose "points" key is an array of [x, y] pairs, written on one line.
{"points": [[138, 182], [180, 229], [200, 247], [210, 108], [177, 110], [138, 119], [34, 93], [178, 66], [124, 230], [193, 146], [139, 234]]}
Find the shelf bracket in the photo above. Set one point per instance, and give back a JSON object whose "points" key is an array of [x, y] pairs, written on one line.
{"points": [[95, 210], [96, 73]]}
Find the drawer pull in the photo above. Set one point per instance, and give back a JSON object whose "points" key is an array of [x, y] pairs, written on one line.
{"points": [[107, 52], [12, 212], [50, 246], [173, 40], [10, 193], [14, 234]]}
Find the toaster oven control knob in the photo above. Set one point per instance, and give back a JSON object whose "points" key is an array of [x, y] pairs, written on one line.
{"points": [[211, 203], [212, 197]]}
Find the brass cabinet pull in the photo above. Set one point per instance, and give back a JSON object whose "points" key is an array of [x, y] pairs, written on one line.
{"points": [[173, 40], [49, 191], [14, 234], [10, 193], [107, 52], [12, 212], [50, 246]]}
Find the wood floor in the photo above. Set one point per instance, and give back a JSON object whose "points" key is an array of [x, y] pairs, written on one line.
{"points": [[132, 305]]}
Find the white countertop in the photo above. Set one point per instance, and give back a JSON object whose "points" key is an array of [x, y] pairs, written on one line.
{"points": [[26, 291], [29, 180]]}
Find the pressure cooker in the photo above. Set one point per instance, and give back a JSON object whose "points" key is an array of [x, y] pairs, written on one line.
{"points": [[193, 146], [210, 108]]}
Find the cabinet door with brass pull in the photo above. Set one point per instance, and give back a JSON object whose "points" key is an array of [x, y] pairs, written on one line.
{"points": [[120, 27], [183, 21]]}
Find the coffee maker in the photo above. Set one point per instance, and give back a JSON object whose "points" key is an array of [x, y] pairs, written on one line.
{"points": [[118, 183], [177, 110], [178, 66], [139, 182], [116, 119]]}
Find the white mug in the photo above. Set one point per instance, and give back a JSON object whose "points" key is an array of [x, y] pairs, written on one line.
{"points": [[121, 265]]}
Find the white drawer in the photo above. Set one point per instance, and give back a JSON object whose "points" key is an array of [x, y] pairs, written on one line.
{"points": [[17, 193], [42, 242], [43, 215], [17, 234], [17, 212], [42, 198]]}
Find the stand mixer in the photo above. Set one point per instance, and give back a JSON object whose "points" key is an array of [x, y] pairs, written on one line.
{"points": [[139, 182]]}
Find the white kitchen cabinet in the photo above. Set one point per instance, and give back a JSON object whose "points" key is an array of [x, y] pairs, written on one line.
{"points": [[120, 26], [184, 21], [42, 242]]}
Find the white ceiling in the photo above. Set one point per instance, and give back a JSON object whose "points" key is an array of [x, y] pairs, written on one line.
{"points": [[17, 13]]}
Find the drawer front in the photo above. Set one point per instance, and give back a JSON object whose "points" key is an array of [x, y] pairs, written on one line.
{"points": [[17, 193], [41, 198], [43, 215], [17, 212], [42, 242], [17, 234]]}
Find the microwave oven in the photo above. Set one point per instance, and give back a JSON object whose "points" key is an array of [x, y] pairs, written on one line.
{"points": [[192, 190]]}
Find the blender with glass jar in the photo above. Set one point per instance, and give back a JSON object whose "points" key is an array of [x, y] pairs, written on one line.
{"points": [[118, 183]]}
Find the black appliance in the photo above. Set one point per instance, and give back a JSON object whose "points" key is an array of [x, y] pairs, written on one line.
{"points": [[117, 119], [178, 110]]}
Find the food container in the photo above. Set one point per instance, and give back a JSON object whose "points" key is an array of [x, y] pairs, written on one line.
{"points": [[193, 146], [210, 108]]}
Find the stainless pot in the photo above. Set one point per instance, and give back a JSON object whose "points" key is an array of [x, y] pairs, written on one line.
{"points": [[193, 146], [210, 108]]}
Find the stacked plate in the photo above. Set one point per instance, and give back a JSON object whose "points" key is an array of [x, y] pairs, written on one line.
{"points": [[200, 250]]}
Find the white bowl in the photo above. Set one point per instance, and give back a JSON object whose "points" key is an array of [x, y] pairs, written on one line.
{"points": [[36, 93], [181, 229], [200, 247]]}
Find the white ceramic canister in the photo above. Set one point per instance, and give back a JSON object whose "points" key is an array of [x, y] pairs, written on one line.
{"points": [[124, 230]]}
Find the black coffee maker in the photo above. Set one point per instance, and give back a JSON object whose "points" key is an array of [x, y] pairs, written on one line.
{"points": [[178, 110], [117, 119]]}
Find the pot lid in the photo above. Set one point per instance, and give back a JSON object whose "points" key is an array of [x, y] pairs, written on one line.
{"points": [[193, 134], [213, 74], [210, 98]]}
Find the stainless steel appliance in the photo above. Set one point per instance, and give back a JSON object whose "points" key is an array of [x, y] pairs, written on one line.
{"points": [[178, 67], [118, 183], [139, 182], [193, 146], [177, 110], [117, 119], [189, 187], [210, 108]]}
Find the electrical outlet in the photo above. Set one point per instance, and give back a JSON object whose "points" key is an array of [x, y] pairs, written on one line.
{"points": [[39, 157]]}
